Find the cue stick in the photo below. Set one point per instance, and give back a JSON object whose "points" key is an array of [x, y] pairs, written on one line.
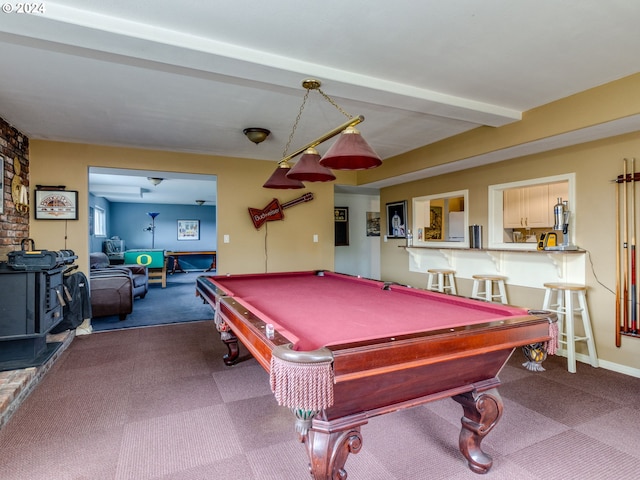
{"points": [[633, 247], [625, 239], [618, 319]]}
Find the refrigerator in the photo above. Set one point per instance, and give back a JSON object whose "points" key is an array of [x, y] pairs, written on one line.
{"points": [[456, 227]]}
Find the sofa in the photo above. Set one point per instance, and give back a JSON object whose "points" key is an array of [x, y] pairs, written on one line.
{"points": [[114, 287]]}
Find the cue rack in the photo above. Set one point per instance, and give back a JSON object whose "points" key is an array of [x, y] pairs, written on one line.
{"points": [[627, 312]]}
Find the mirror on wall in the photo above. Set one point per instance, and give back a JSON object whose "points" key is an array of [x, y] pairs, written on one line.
{"points": [[441, 220]]}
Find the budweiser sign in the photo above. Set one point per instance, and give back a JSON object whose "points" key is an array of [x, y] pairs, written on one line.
{"points": [[274, 211]]}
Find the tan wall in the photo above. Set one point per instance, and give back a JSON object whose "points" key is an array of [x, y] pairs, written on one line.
{"points": [[612, 101], [289, 243], [595, 164]]}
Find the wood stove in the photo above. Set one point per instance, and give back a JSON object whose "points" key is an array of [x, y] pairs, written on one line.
{"points": [[32, 297]]}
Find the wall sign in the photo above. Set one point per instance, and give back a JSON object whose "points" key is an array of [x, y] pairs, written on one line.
{"points": [[56, 204], [274, 211]]}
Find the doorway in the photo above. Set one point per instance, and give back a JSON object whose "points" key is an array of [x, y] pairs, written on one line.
{"points": [[160, 211]]}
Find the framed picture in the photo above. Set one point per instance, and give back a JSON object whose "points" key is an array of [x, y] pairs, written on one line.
{"points": [[56, 204], [397, 219], [434, 230], [373, 224], [341, 223], [188, 229]]}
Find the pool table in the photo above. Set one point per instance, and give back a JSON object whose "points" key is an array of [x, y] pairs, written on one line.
{"points": [[342, 349]]}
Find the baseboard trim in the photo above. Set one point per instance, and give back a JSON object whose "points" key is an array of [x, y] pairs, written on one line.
{"points": [[614, 367]]}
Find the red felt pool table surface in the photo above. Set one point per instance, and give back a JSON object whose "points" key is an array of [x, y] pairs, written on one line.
{"points": [[323, 310]]}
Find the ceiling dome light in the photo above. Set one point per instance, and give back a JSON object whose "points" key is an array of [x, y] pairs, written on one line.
{"points": [[256, 135]]}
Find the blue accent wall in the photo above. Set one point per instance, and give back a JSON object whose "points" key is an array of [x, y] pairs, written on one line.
{"points": [[128, 221]]}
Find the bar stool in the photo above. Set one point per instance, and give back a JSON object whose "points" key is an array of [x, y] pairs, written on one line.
{"points": [[445, 282], [564, 305], [489, 281]]}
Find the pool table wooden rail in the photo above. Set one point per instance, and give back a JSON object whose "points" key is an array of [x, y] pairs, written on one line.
{"points": [[377, 377], [247, 327], [435, 346]]}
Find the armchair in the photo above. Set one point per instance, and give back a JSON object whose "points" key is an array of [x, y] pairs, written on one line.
{"points": [[139, 273], [113, 288], [111, 293]]}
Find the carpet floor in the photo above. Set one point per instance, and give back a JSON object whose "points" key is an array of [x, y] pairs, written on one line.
{"points": [[174, 304], [159, 403]]}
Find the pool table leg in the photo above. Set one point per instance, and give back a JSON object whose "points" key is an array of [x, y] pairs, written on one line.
{"points": [[328, 449], [482, 410], [233, 344], [233, 355]]}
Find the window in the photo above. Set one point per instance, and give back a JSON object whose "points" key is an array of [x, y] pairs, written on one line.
{"points": [[500, 233], [99, 222], [441, 220]]}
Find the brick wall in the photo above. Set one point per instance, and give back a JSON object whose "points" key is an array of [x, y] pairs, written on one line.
{"points": [[14, 149]]}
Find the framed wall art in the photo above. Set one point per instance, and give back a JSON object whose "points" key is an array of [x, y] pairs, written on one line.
{"points": [[373, 224], [397, 219], [56, 204], [188, 229], [341, 223], [434, 230]]}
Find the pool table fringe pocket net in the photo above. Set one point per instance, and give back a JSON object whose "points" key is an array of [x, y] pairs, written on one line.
{"points": [[302, 380], [221, 326], [536, 353]]}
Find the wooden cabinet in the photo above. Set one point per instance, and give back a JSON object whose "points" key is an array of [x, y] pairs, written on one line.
{"points": [[532, 207], [557, 190], [512, 208], [527, 207], [537, 201]]}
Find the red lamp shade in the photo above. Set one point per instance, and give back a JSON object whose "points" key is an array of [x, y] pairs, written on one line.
{"points": [[350, 152], [307, 169], [278, 179]]}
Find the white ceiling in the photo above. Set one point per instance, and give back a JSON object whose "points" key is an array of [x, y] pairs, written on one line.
{"points": [[133, 186], [190, 75]]}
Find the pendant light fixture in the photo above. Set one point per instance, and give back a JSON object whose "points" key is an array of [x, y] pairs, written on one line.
{"points": [[278, 178], [309, 168], [352, 153]]}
